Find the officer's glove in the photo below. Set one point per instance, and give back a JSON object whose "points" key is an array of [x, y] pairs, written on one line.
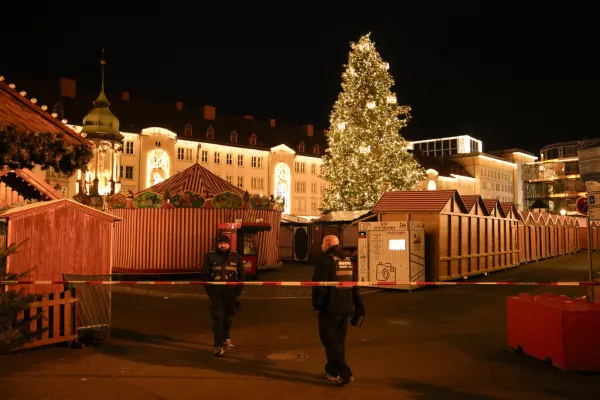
{"points": [[358, 316]]}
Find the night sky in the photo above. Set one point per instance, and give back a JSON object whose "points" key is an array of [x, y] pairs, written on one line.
{"points": [[512, 82]]}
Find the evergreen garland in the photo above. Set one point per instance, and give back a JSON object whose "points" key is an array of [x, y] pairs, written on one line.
{"points": [[49, 150]]}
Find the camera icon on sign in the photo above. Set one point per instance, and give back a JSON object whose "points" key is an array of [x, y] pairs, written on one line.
{"points": [[385, 272]]}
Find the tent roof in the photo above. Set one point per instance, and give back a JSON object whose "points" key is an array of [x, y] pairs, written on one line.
{"points": [[195, 179]]}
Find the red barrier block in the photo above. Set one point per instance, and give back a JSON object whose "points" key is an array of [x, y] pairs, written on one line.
{"points": [[557, 328]]}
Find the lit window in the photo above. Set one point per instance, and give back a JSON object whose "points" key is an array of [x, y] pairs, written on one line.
{"points": [[128, 147]]}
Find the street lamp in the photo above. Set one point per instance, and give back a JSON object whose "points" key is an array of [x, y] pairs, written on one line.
{"points": [[563, 212]]}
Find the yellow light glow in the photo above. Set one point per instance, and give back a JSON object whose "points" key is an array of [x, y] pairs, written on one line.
{"points": [[447, 178], [187, 144], [159, 131], [76, 128], [131, 137], [157, 164], [231, 149], [468, 178], [554, 160], [316, 160], [498, 161], [524, 155], [431, 171], [282, 147]]}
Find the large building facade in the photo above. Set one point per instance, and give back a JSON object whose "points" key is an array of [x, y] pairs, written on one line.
{"points": [[156, 141], [459, 163]]}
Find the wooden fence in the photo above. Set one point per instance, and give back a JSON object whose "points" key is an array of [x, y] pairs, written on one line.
{"points": [[58, 322]]}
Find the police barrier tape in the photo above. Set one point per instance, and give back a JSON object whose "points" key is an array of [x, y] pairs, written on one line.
{"points": [[275, 283]]}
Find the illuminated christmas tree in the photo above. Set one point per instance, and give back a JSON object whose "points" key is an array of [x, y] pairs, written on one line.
{"points": [[366, 154]]}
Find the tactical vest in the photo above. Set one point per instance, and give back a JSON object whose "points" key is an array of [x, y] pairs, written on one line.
{"points": [[343, 270], [227, 269]]}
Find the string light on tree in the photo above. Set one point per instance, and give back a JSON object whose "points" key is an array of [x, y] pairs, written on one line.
{"points": [[366, 155]]}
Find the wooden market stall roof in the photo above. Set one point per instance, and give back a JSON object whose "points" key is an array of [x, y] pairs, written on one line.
{"points": [[47, 205], [474, 204], [418, 201], [510, 210], [28, 185], [195, 179], [470, 200], [494, 205], [17, 111]]}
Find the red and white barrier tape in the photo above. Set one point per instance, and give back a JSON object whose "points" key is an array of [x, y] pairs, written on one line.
{"points": [[260, 283]]}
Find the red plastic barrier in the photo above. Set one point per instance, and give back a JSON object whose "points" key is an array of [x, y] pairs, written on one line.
{"points": [[548, 326]]}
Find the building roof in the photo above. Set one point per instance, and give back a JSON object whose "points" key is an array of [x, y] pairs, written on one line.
{"points": [[512, 150], [507, 206], [470, 200], [28, 184], [538, 203], [135, 114], [443, 165], [47, 205], [569, 143], [491, 203], [342, 216], [195, 179], [417, 201], [24, 115], [478, 154]]}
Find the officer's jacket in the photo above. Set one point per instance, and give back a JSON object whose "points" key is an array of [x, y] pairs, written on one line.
{"points": [[223, 266], [335, 266]]}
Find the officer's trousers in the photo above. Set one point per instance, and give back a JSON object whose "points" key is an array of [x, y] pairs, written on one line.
{"points": [[222, 309], [332, 331]]}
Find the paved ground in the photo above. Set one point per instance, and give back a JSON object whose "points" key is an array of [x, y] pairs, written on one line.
{"points": [[439, 343]]}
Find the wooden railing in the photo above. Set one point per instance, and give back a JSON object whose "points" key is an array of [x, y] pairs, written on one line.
{"points": [[58, 321]]}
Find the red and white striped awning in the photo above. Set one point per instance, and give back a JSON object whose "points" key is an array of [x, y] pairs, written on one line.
{"points": [[195, 179]]}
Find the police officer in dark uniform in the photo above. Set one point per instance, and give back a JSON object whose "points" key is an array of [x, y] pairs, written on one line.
{"points": [[223, 265], [335, 307]]}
